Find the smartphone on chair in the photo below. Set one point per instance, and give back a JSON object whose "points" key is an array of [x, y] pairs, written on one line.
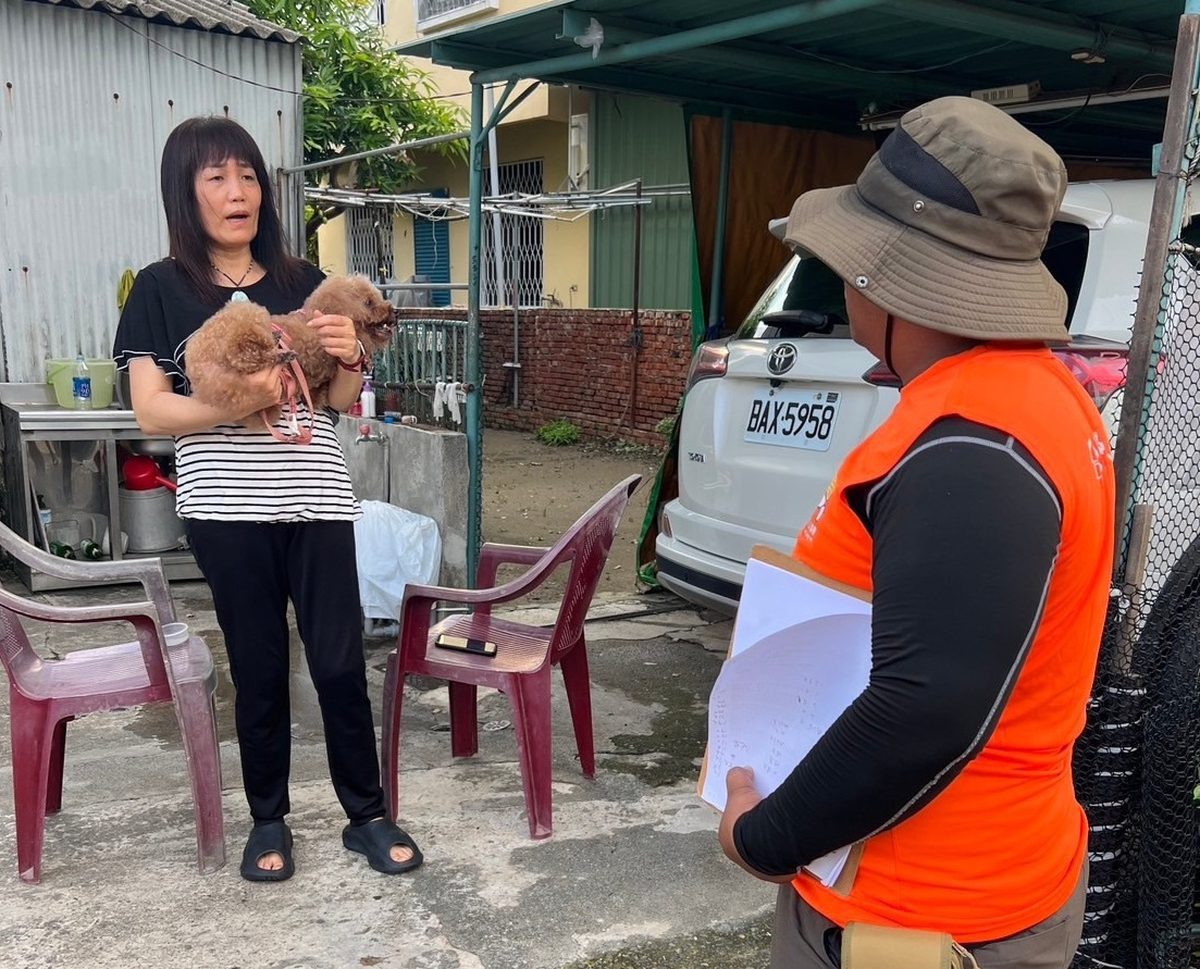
{"points": [[462, 644]]}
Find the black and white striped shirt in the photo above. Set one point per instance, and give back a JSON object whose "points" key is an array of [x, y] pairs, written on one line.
{"points": [[233, 473]]}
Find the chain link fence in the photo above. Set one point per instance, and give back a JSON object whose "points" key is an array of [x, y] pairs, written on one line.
{"points": [[1136, 764]]}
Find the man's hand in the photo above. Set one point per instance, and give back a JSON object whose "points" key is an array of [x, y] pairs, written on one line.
{"points": [[741, 797], [338, 337]]}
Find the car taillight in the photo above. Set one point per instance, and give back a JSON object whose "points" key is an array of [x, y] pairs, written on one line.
{"points": [[880, 376], [1100, 372], [664, 524], [710, 360]]}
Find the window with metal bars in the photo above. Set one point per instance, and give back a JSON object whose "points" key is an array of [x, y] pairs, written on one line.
{"points": [[433, 12], [369, 242], [521, 242], [371, 15]]}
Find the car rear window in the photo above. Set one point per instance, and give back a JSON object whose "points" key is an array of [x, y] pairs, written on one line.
{"points": [[1065, 256], [808, 284], [805, 284]]}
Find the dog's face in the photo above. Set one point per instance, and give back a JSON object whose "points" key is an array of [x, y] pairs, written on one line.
{"points": [[380, 318], [357, 298]]}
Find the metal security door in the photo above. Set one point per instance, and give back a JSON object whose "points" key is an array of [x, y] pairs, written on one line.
{"points": [[521, 240], [369, 242]]}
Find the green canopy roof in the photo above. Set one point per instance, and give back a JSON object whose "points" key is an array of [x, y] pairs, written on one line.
{"points": [[828, 63]]}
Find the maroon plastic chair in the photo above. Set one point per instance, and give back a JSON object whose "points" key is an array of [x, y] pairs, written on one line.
{"points": [[47, 694], [524, 654]]}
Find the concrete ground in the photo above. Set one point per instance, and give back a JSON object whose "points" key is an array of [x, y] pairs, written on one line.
{"points": [[631, 879]]}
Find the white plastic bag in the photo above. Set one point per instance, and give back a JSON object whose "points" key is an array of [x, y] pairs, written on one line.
{"points": [[394, 547]]}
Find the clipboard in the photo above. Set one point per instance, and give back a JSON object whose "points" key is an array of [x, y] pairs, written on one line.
{"points": [[784, 562], [772, 556]]}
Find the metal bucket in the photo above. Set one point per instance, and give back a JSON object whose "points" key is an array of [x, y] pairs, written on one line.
{"points": [[149, 519]]}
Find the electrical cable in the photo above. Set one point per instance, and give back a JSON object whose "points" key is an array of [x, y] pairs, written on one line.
{"points": [[900, 71], [271, 87], [1065, 118]]}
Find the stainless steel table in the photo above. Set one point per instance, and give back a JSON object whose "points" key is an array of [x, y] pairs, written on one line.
{"points": [[31, 416]]}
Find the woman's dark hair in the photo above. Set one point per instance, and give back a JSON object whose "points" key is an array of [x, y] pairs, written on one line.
{"points": [[198, 143]]}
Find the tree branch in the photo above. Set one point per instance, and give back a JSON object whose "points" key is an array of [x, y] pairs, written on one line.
{"points": [[319, 217]]}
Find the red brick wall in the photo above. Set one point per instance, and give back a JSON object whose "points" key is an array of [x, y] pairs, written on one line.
{"points": [[581, 365]]}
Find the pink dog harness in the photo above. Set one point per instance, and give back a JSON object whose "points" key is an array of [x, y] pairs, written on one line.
{"points": [[295, 388]]}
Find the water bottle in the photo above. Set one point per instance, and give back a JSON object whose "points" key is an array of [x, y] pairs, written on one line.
{"points": [[81, 385], [367, 398]]}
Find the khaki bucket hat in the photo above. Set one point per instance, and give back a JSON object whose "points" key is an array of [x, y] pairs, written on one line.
{"points": [[946, 224]]}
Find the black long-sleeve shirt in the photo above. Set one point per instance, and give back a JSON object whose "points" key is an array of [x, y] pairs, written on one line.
{"points": [[965, 531]]}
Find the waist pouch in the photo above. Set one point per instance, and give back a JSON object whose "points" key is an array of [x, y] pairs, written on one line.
{"points": [[883, 947]]}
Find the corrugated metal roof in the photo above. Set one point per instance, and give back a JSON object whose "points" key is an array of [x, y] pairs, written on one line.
{"points": [[826, 63], [221, 16]]}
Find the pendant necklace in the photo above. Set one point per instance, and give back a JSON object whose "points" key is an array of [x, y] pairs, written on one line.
{"points": [[238, 296]]}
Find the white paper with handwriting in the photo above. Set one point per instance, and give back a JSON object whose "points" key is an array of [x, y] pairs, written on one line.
{"points": [[800, 654]]}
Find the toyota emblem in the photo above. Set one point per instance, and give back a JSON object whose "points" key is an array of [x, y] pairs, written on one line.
{"points": [[782, 359]]}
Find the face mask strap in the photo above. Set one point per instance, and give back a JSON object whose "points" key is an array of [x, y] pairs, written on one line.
{"points": [[889, 327]]}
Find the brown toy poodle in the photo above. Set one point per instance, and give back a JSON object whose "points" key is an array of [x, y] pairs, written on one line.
{"points": [[243, 338]]}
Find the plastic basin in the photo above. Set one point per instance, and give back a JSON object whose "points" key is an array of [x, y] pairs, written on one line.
{"points": [[60, 373]]}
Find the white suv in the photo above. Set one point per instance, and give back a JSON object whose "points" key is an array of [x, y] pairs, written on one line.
{"points": [[771, 411]]}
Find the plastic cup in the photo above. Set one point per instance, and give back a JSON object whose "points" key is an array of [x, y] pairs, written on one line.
{"points": [[176, 633]]}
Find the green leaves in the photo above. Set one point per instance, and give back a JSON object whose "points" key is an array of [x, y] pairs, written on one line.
{"points": [[358, 95], [558, 433]]}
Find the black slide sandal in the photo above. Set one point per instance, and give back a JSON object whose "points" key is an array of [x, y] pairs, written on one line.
{"points": [[375, 839], [271, 837]]}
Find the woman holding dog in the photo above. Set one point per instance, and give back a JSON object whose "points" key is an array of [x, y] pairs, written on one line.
{"points": [[268, 520]]}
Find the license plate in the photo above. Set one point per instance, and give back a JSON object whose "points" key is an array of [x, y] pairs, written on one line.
{"points": [[793, 418]]}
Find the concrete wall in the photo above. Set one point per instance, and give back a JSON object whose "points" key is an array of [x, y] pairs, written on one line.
{"points": [[428, 471], [331, 246], [582, 365]]}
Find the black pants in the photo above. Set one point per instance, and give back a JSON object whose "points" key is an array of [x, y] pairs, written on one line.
{"points": [[253, 569]]}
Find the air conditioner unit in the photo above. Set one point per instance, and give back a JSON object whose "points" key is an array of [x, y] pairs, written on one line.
{"points": [[1010, 94], [577, 153]]}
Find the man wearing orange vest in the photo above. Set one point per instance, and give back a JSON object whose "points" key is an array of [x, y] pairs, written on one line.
{"points": [[980, 518]]}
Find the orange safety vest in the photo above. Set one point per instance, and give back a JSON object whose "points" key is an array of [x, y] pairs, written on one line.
{"points": [[1001, 848]]}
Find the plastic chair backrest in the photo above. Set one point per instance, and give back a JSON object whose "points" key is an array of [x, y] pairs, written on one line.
{"points": [[20, 660], [16, 653], [587, 544], [146, 571]]}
